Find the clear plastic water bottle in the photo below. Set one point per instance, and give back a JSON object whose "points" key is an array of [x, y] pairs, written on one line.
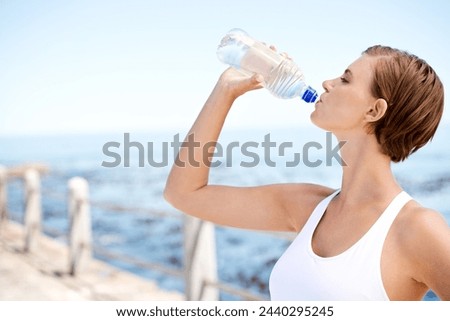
{"points": [[282, 77]]}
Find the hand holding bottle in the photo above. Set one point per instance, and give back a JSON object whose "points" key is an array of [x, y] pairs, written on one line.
{"points": [[235, 83]]}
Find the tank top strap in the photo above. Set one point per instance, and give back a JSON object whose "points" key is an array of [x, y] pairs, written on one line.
{"points": [[317, 214], [390, 213]]}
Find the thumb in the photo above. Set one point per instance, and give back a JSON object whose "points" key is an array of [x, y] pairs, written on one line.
{"points": [[257, 79]]}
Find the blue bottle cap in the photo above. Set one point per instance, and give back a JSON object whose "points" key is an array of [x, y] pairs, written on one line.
{"points": [[310, 95]]}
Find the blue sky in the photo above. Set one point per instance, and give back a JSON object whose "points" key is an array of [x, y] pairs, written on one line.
{"points": [[103, 66]]}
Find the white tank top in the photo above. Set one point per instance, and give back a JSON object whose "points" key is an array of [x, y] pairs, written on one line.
{"points": [[355, 274]]}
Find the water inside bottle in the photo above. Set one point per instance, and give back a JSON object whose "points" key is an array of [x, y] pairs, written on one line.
{"points": [[233, 47], [285, 81]]}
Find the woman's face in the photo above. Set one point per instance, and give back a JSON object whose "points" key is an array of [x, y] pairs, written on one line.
{"points": [[346, 100]]}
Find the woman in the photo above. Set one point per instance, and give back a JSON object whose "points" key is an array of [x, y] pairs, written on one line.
{"points": [[366, 241]]}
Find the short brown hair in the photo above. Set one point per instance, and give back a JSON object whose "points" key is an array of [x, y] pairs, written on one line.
{"points": [[415, 98]]}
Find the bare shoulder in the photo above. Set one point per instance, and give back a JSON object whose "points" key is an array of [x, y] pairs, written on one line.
{"points": [[424, 238], [420, 224]]}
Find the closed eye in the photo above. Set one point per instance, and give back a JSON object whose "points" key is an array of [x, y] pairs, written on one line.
{"points": [[344, 80]]}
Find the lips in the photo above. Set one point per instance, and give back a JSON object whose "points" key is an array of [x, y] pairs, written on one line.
{"points": [[320, 99]]}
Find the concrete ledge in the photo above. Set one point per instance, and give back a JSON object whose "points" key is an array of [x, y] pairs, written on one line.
{"points": [[43, 274]]}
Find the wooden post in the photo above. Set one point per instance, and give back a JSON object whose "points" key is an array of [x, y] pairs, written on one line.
{"points": [[33, 210], [80, 225], [200, 260], [3, 195]]}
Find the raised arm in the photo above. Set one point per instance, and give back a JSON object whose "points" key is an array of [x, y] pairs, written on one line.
{"points": [[282, 207]]}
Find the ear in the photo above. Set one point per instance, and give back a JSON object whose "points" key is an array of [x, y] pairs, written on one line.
{"points": [[376, 111]]}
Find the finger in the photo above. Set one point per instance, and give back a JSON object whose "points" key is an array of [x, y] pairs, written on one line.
{"points": [[271, 46], [254, 82], [285, 55], [257, 78]]}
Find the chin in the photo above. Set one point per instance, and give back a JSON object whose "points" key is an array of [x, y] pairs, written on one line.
{"points": [[316, 120]]}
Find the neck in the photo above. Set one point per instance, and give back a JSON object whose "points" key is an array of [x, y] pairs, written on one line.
{"points": [[367, 173]]}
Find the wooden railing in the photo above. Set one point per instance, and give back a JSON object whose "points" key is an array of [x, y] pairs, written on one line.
{"points": [[80, 235], [3, 194], [200, 261]]}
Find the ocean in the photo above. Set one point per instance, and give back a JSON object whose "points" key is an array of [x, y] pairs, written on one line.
{"points": [[127, 173]]}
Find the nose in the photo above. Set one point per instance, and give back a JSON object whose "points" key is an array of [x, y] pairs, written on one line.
{"points": [[327, 84]]}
